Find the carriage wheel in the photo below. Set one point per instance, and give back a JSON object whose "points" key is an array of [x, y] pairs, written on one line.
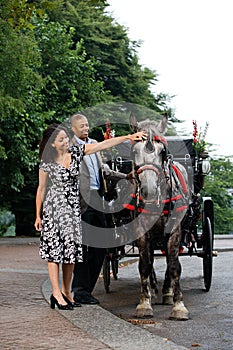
{"points": [[208, 253], [106, 273]]}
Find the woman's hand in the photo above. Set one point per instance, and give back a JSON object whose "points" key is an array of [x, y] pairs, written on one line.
{"points": [[138, 136], [37, 224], [114, 141]]}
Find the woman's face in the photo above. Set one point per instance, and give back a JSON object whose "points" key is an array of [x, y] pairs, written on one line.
{"points": [[61, 142]]}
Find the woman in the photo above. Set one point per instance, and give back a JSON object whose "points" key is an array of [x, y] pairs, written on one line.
{"points": [[57, 199]]}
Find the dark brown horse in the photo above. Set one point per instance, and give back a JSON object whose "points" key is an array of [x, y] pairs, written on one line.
{"points": [[162, 197]]}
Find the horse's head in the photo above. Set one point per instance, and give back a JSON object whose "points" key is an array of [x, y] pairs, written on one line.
{"points": [[149, 157]]}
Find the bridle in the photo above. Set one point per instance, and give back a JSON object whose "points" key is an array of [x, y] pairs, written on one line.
{"points": [[164, 172], [154, 167]]}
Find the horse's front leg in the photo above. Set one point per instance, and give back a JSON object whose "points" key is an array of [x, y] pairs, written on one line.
{"points": [[144, 308], [167, 290], [179, 311], [153, 285]]}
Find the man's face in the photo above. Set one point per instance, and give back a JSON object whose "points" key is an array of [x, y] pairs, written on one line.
{"points": [[81, 128]]}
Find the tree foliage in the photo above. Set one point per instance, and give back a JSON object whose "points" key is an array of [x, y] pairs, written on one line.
{"points": [[69, 76], [58, 57], [108, 42], [45, 76], [217, 185], [20, 14], [19, 100]]}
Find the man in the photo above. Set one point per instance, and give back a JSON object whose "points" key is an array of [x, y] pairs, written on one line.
{"points": [[92, 189]]}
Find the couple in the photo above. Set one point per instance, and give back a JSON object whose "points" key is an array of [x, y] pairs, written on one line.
{"points": [[59, 212]]}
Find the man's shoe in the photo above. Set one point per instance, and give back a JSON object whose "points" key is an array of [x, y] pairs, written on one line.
{"points": [[86, 299]]}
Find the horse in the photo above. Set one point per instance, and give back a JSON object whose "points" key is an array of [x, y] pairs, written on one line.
{"points": [[162, 197]]}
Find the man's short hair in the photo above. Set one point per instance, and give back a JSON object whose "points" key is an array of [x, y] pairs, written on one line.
{"points": [[75, 117]]}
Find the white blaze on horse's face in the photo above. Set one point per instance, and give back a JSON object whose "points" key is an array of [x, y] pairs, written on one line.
{"points": [[148, 158]]}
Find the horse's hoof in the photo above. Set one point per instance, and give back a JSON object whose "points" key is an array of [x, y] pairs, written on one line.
{"points": [[179, 312], [144, 312]]}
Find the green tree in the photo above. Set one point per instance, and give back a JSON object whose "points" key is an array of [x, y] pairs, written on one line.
{"points": [[69, 76], [217, 184], [57, 57], [19, 106], [108, 42], [40, 79], [20, 14]]}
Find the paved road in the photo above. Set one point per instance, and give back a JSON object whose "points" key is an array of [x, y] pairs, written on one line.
{"points": [[27, 322], [211, 314]]}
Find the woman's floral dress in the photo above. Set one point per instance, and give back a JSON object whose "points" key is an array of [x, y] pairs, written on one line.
{"points": [[61, 234]]}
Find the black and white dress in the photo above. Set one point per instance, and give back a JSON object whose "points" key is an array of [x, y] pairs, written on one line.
{"points": [[61, 234]]}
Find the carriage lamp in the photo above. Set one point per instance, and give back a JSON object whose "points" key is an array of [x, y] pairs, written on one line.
{"points": [[205, 166]]}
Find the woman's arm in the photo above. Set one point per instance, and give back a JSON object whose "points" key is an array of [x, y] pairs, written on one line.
{"points": [[40, 194], [100, 146]]}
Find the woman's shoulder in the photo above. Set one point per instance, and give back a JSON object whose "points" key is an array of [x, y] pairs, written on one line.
{"points": [[77, 149], [45, 166]]}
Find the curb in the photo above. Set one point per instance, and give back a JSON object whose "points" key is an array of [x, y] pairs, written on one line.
{"points": [[111, 330]]}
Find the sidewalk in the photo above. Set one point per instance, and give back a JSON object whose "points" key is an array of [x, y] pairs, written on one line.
{"points": [[27, 321]]}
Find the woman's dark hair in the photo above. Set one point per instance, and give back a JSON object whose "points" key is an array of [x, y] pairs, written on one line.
{"points": [[47, 153]]}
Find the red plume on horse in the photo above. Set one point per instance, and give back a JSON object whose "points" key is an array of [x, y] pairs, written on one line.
{"points": [[109, 133]]}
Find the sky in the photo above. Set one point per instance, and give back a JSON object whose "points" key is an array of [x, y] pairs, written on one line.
{"points": [[189, 45]]}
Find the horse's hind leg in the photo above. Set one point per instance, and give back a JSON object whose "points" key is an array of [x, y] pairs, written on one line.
{"points": [[179, 311]]}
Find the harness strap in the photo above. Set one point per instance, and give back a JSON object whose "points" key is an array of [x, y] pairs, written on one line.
{"points": [[139, 209], [133, 195], [164, 201], [132, 207], [179, 196], [181, 179]]}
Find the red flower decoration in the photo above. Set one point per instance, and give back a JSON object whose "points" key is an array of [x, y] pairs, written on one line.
{"points": [[108, 133], [199, 143]]}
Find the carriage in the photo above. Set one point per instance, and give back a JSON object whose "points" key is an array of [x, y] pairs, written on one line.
{"points": [[197, 225]]}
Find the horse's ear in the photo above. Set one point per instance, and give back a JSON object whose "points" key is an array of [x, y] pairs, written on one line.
{"points": [[133, 122], [162, 125]]}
